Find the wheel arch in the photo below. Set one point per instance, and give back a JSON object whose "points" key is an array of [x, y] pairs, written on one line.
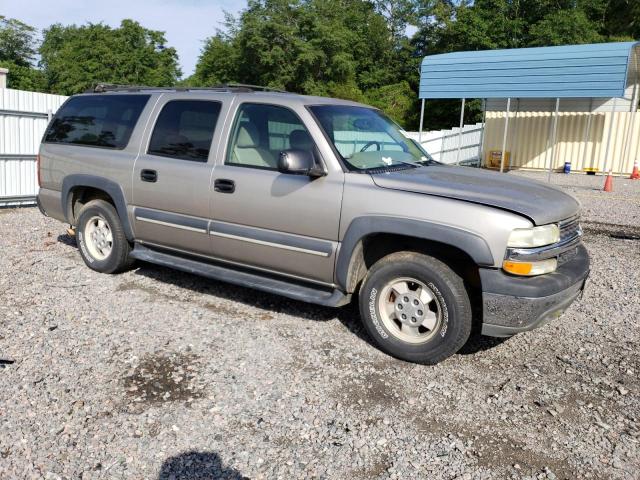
{"points": [[372, 237], [102, 188]]}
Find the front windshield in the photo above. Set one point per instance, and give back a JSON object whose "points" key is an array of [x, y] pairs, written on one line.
{"points": [[367, 139]]}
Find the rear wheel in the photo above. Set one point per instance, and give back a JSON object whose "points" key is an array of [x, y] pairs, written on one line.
{"points": [[415, 307], [101, 239]]}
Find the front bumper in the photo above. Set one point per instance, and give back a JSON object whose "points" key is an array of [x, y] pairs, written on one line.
{"points": [[514, 304]]}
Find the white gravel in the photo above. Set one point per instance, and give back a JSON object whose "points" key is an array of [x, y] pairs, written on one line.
{"points": [[159, 374]]}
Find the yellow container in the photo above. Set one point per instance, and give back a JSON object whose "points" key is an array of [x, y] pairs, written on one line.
{"points": [[494, 158]]}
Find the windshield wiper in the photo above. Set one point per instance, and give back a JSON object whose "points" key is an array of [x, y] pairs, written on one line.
{"points": [[413, 164]]}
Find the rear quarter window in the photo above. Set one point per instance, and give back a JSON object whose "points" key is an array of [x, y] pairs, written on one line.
{"points": [[104, 121], [184, 130]]}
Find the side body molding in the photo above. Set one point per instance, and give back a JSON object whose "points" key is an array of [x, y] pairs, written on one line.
{"points": [[473, 245], [112, 188]]}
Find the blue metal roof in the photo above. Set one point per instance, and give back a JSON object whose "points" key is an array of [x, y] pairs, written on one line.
{"points": [[596, 70]]}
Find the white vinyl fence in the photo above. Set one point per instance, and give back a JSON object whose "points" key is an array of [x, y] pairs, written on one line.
{"points": [[24, 116], [443, 145]]}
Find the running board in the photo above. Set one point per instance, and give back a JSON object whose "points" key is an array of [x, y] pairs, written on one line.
{"points": [[296, 291]]}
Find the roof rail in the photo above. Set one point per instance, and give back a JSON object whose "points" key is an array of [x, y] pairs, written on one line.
{"points": [[226, 87], [259, 88]]}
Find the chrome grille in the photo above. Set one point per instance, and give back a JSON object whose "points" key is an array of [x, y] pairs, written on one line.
{"points": [[570, 229]]}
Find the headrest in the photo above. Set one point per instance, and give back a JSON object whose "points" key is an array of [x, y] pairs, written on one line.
{"points": [[174, 139], [248, 136], [300, 140]]}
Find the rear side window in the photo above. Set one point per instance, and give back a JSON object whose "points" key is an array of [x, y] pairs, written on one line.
{"points": [[184, 130], [97, 120]]}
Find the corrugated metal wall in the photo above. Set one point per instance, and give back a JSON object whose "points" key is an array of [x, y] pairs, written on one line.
{"points": [[23, 120], [529, 132]]}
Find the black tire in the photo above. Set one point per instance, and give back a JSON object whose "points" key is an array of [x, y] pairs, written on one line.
{"points": [[118, 259], [455, 318]]}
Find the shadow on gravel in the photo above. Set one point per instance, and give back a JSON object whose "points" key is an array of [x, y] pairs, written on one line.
{"points": [[347, 315], [68, 240], [478, 343], [227, 291], [197, 466]]}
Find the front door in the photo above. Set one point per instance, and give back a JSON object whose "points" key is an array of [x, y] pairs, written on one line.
{"points": [[172, 175], [262, 218]]}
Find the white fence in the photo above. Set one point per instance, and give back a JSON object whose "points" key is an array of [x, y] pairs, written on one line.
{"points": [[23, 119], [443, 145]]}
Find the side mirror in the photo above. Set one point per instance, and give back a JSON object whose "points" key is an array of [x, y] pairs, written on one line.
{"points": [[299, 162]]}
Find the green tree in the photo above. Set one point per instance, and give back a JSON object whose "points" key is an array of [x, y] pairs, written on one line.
{"points": [[17, 42], [76, 57], [564, 27], [17, 52], [217, 63], [396, 100], [322, 47], [25, 78]]}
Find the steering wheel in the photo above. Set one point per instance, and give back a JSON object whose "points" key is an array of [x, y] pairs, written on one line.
{"points": [[373, 142]]}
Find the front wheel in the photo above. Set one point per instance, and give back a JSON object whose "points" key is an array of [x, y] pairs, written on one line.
{"points": [[415, 307], [101, 239]]}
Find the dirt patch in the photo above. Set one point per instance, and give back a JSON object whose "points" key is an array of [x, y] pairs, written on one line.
{"points": [[619, 232], [375, 470], [133, 286], [161, 378], [509, 452], [216, 307], [496, 450], [371, 389]]}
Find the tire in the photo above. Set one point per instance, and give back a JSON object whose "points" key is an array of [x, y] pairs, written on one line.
{"points": [[100, 218], [438, 316]]}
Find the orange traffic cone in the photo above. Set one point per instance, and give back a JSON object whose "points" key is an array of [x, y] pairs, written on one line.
{"points": [[635, 175], [608, 183]]}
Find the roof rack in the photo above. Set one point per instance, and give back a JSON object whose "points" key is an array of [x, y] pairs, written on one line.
{"points": [[254, 88], [226, 87]]}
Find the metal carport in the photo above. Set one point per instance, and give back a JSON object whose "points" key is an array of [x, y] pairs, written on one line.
{"points": [[605, 70]]}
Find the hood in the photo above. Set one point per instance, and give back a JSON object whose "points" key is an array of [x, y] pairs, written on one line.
{"points": [[541, 202]]}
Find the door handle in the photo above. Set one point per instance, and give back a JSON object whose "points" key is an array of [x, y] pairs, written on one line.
{"points": [[224, 185], [149, 176]]}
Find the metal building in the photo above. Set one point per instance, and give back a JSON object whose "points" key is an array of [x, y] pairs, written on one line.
{"points": [[548, 105], [23, 119]]}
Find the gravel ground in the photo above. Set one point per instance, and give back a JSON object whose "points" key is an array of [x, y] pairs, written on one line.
{"points": [[156, 374]]}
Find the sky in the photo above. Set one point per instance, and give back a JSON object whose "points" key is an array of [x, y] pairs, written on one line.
{"points": [[186, 23]]}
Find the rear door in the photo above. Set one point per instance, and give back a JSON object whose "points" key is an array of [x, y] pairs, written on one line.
{"points": [[283, 223], [172, 174]]}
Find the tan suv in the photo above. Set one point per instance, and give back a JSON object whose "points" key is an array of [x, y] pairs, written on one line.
{"points": [[316, 199]]}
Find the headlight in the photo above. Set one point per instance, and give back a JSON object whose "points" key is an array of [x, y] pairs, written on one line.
{"points": [[534, 237], [530, 268]]}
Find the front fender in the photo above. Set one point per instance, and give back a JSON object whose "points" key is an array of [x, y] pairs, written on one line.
{"points": [[470, 243]]}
